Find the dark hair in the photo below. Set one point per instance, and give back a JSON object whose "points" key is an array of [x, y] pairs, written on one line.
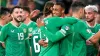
{"points": [[26, 9], [14, 8], [67, 5], [76, 6], [60, 3], [47, 8], [4, 10]]}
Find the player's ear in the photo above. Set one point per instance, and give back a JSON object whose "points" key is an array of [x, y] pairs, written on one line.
{"points": [[96, 14], [2, 17], [11, 15], [63, 10]]}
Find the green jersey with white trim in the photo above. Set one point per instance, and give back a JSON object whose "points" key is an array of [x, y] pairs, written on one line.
{"points": [[53, 24], [15, 39], [34, 42], [31, 26], [81, 34], [91, 50], [2, 49]]}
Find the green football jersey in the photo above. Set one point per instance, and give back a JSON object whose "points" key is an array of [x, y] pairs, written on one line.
{"points": [[32, 27], [34, 42], [2, 50], [91, 50], [53, 24], [15, 39], [81, 34]]}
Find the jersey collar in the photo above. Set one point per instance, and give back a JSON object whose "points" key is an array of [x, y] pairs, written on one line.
{"points": [[91, 26], [15, 25]]}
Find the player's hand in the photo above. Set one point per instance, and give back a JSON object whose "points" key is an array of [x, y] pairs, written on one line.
{"points": [[43, 43], [34, 13], [39, 22], [30, 35], [3, 45]]}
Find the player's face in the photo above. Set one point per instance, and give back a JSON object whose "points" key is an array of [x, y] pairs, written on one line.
{"points": [[18, 14], [90, 15], [57, 10], [8, 17], [26, 14], [81, 12]]}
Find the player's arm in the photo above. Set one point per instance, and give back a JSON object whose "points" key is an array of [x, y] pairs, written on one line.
{"points": [[65, 30], [88, 35], [69, 20], [3, 36]]}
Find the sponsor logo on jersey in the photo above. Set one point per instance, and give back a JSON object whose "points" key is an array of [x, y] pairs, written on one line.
{"points": [[30, 29], [12, 31]]}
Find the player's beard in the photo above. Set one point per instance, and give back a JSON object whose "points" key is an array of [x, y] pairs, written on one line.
{"points": [[18, 19], [90, 20]]}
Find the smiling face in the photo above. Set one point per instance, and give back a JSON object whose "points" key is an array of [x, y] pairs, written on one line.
{"points": [[18, 14], [57, 10]]}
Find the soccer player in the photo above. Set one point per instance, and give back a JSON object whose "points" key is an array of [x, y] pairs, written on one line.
{"points": [[74, 44], [4, 19], [33, 37], [53, 26], [14, 33], [91, 14]]}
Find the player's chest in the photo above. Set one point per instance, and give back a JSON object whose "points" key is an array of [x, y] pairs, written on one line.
{"points": [[16, 32]]}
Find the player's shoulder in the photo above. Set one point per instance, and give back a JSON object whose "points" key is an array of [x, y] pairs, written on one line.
{"points": [[23, 25], [33, 23], [7, 25], [82, 24], [98, 25], [54, 18]]}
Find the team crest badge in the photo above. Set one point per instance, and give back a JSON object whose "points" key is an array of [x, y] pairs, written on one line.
{"points": [[88, 30], [66, 28], [30, 29], [24, 30]]}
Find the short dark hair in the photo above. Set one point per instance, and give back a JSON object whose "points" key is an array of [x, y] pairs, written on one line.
{"points": [[14, 8], [26, 9], [61, 4], [76, 6], [4, 10]]}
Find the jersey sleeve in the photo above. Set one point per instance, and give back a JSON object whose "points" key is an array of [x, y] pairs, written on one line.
{"points": [[85, 32], [65, 30], [3, 35], [69, 20]]}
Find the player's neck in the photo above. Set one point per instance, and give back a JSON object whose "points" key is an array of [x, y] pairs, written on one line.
{"points": [[27, 21], [92, 23], [2, 22], [16, 23], [76, 15]]}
